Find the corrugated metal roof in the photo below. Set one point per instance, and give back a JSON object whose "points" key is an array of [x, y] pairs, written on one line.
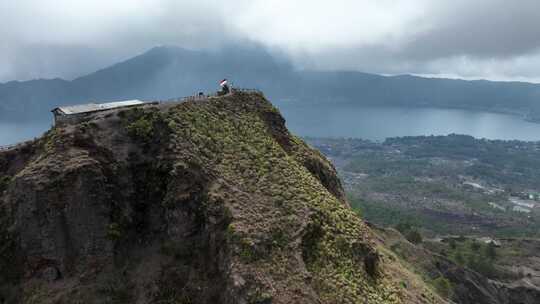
{"points": [[93, 107]]}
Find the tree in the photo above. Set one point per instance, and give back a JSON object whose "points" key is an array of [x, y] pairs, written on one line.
{"points": [[414, 236], [403, 227], [490, 251], [458, 257], [475, 246], [481, 265], [443, 287], [409, 232]]}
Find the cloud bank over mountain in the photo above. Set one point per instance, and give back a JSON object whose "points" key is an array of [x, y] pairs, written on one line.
{"points": [[492, 39]]}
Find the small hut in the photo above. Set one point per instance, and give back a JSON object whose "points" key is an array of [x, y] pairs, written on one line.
{"points": [[76, 113]]}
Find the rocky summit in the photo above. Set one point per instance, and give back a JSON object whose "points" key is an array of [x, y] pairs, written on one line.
{"points": [[208, 201]]}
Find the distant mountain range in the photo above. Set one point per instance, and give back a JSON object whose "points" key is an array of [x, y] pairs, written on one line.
{"points": [[167, 72]]}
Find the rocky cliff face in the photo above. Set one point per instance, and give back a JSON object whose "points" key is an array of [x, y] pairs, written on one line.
{"points": [[201, 202]]}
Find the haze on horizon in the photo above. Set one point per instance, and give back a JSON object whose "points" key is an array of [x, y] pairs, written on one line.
{"points": [[491, 39]]}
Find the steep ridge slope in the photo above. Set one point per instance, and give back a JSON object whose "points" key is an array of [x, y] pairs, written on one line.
{"points": [[201, 202]]}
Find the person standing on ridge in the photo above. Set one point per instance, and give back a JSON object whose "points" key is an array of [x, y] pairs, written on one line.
{"points": [[224, 87]]}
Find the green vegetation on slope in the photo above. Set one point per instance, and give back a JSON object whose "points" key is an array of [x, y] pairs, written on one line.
{"points": [[234, 139], [240, 148]]}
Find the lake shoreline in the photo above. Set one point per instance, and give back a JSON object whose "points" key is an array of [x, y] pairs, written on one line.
{"points": [[521, 113], [349, 120]]}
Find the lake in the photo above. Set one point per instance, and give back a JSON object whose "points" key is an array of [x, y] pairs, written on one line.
{"points": [[11, 133], [378, 123], [374, 123]]}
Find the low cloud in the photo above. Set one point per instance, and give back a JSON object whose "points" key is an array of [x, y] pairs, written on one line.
{"points": [[494, 39]]}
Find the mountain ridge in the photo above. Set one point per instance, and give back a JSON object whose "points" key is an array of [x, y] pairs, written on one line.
{"points": [[173, 47], [168, 72], [212, 201]]}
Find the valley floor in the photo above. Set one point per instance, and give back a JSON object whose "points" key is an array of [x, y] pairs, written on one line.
{"points": [[475, 203]]}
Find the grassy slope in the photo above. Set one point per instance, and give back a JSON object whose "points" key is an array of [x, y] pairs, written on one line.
{"points": [[291, 234], [237, 145]]}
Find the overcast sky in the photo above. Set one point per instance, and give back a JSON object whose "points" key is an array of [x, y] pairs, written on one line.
{"points": [[492, 39]]}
